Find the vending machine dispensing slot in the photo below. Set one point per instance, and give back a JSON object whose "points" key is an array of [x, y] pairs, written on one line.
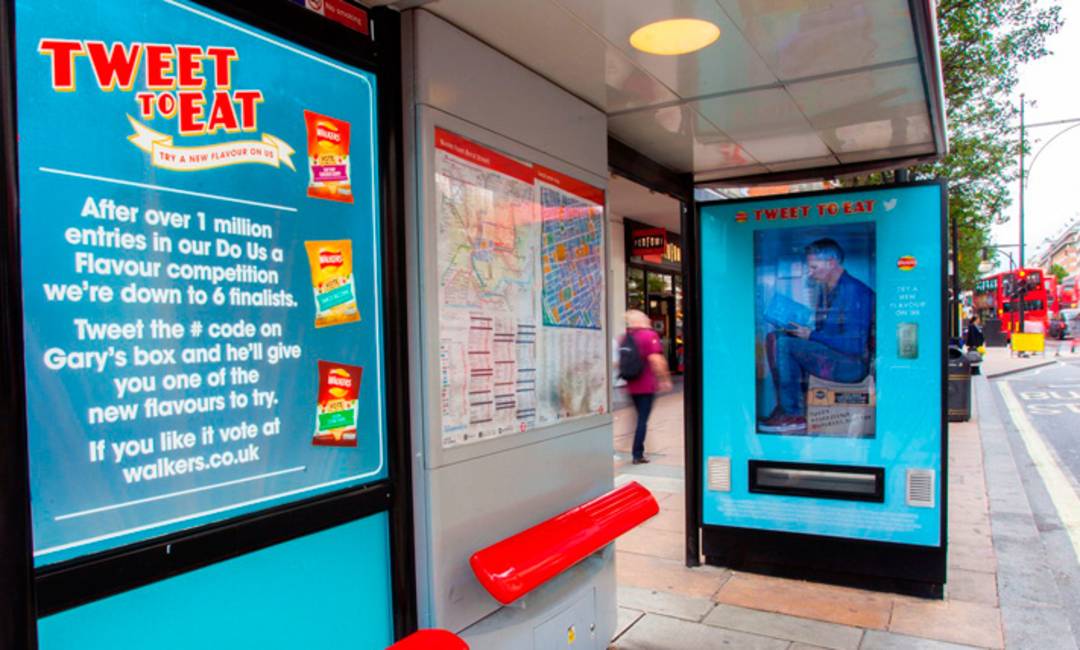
{"points": [[813, 480]]}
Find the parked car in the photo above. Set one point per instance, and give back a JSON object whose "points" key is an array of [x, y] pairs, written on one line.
{"points": [[1065, 325]]}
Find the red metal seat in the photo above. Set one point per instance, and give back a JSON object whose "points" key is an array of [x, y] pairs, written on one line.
{"points": [[430, 640], [518, 564]]}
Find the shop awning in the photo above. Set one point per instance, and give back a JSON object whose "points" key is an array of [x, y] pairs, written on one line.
{"points": [[791, 89]]}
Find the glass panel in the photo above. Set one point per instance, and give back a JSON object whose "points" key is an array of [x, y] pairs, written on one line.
{"points": [[157, 435], [661, 317], [635, 289], [660, 284]]}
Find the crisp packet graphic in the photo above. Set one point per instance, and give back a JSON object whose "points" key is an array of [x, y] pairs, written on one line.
{"points": [[328, 158], [332, 281], [339, 397]]}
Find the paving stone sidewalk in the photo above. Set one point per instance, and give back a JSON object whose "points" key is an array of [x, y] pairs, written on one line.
{"points": [[664, 605], [1000, 361]]}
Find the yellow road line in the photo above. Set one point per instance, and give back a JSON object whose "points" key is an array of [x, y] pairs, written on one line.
{"points": [[1062, 493]]}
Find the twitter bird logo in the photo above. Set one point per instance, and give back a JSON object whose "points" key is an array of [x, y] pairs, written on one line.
{"points": [[890, 204]]}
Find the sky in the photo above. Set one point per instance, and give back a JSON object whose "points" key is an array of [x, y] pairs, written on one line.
{"points": [[1054, 84]]}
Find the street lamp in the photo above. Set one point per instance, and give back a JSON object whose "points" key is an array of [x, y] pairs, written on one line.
{"points": [[1073, 123], [987, 264]]}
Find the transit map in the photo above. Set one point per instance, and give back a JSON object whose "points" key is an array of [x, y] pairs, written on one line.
{"points": [[513, 241], [573, 260]]}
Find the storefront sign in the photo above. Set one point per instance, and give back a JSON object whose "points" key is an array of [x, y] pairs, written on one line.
{"points": [[649, 243], [203, 335]]}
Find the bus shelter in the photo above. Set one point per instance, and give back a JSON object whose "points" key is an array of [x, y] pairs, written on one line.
{"points": [[310, 303]]}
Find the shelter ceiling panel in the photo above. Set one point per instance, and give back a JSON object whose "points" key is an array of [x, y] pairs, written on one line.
{"points": [[728, 64], [720, 153], [544, 37], [629, 199], [766, 123], [731, 172], [865, 96], [803, 163], [678, 137], [873, 109], [628, 86], [557, 45], [892, 152], [789, 84], [785, 146], [800, 38], [876, 135]]}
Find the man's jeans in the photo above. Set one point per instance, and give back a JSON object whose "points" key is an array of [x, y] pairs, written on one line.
{"points": [[796, 358], [643, 405]]}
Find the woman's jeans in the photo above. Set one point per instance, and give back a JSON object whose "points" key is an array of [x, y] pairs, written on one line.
{"points": [[643, 405]]}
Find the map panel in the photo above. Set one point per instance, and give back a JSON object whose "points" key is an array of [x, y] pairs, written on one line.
{"points": [[504, 368], [573, 259], [577, 387], [488, 242]]}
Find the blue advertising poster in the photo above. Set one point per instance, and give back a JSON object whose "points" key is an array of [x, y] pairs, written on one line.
{"points": [[822, 364], [201, 271]]}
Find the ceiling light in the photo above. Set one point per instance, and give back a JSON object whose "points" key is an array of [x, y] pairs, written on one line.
{"points": [[675, 36]]}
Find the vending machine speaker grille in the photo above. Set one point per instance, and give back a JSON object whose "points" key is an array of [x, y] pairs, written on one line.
{"points": [[920, 488], [720, 473]]}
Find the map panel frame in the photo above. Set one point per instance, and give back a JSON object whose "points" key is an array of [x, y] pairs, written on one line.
{"points": [[501, 369]]}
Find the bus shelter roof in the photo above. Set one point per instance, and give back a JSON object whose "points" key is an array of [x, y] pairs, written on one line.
{"points": [[791, 90]]}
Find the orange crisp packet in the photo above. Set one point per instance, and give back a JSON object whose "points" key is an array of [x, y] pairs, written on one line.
{"points": [[328, 158], [332, 281]]}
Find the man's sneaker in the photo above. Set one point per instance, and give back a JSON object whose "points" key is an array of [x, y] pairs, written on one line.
{"points": [[783, 424], [640, 461]]}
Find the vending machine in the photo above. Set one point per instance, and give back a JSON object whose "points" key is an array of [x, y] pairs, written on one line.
{"points": [[817, 407]]}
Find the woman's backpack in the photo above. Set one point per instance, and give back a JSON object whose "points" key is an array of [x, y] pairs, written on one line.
{"points": [[631, 363]]}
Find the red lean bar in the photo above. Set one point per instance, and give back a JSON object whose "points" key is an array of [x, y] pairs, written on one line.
{"points": [[515, 566]]}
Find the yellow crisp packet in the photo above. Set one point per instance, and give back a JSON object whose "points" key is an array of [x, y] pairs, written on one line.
{"points": [[332, 280]]}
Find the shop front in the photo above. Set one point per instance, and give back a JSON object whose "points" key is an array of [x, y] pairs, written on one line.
{"points": [[654, 283]]}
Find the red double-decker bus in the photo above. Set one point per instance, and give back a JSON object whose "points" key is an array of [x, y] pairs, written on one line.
{"points": [[1053, 305], [987, 300], [1027, 285], [998, 296], [1068, 293]]}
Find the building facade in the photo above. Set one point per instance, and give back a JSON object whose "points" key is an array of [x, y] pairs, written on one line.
{"points": [[1063, 250]]}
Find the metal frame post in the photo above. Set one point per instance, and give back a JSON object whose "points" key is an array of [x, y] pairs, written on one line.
{"points": [[1022, 148]]}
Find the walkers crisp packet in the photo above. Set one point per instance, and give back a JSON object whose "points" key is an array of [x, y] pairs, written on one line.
{"points": [[328, 158], [339, 397], [332, 280]]}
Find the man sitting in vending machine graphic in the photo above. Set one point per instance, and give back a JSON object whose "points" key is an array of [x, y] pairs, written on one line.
{"points": [[832, 341]]}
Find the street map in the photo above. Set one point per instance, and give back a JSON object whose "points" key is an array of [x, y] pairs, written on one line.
{"points": [[521, 295]]}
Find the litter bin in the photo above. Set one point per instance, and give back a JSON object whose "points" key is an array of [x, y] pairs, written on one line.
{"points": [[975, 361], [959, 385]]}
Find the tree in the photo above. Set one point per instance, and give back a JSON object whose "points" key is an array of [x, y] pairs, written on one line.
{"points": [[1059, 272], [983, 44]]}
